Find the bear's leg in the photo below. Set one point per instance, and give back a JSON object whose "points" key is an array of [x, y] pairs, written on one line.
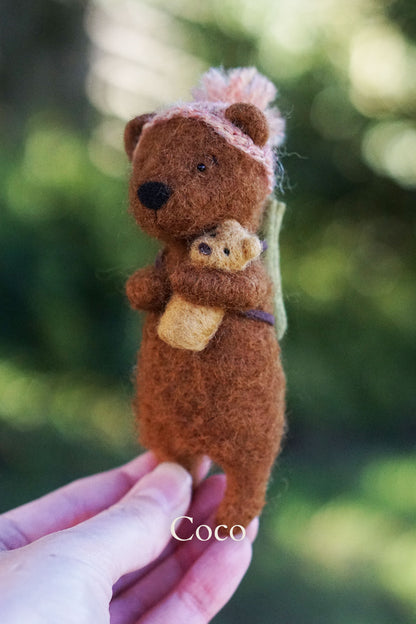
{"points": [[244, 497]]}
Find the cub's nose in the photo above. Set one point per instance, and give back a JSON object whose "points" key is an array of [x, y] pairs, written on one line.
{"points": [[153, 195]]}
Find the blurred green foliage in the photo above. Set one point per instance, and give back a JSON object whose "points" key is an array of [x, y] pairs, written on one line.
{"points": [[338, 541]]}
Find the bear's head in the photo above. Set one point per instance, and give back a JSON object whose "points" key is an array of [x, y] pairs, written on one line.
{"points": [[186, 178], [197, 164], [229, 247]]}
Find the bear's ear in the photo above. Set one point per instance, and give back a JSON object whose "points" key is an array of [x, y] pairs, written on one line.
{"points": [[251, 248], [250, 120], [132, 132]]}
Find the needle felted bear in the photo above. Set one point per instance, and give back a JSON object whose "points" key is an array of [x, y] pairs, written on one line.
{"points": [[230, 247], [194, 166]]}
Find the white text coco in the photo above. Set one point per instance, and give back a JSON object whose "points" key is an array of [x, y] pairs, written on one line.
{"points": [[204, 532]]}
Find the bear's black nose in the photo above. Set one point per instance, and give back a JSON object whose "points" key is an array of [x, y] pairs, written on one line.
{"points": [[154, 195]]}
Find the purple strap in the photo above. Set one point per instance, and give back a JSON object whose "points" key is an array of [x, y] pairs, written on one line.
{"points": [[259, 315]]}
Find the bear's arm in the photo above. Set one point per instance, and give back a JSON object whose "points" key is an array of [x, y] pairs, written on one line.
{"points": [[239, 290], [148, 289]]}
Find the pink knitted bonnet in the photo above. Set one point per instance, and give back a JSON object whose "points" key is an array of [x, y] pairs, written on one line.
{"points": [[218, 89]]}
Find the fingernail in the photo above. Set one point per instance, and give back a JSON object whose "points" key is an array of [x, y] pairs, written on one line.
{"points": [[252, 530], [169, 484], [203, 469]]}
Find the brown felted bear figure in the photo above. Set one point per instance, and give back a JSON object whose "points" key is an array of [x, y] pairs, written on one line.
{"points": [[230, 247], [195, 166]]}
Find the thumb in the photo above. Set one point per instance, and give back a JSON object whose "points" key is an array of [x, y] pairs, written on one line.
{"points": [[134, 531]]}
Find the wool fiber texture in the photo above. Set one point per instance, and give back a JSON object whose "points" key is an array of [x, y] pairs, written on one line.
{"points": [[185, 325], [230, 247], [227, 400]]}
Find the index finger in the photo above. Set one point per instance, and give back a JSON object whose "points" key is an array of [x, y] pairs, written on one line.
{"points": [[72, 503]]}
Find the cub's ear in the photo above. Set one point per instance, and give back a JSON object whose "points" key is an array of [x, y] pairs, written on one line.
{"points": [[251, 248], [132, 133], [250, 120]]}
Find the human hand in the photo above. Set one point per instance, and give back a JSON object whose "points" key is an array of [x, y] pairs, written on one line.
{"points": [[100, 549]]}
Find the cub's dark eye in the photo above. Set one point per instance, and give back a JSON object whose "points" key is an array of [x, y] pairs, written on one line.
{"points": [[226, 251], [201, 167]]}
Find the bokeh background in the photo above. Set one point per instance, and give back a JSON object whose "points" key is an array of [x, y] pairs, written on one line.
{"points": [[338, 539]]}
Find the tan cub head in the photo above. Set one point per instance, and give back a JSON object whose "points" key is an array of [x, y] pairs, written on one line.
{"points": [[228, 247]]}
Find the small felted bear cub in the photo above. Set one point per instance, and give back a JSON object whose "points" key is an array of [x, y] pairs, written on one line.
{"points": [[230, 247]]}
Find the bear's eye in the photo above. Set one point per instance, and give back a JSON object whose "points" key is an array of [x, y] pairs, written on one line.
{"points": [[201, 167], [226, 251]]}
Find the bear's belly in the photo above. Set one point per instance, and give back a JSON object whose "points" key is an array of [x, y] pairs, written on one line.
{"points": [[235, 386]]}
